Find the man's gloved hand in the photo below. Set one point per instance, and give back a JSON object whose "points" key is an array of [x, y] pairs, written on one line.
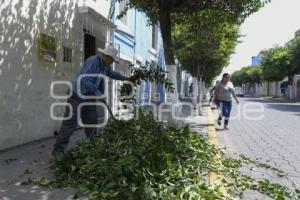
{"points": [[131, 78]]}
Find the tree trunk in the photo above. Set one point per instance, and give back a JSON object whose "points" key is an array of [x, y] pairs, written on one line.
{"points": [[204, 90], [166, 31], [200, 92], [178, 79], [291, 79], [268, 88], [290, 75], [195, 91], [164, 17], [199, 77], [166, 28], [276, 89]]}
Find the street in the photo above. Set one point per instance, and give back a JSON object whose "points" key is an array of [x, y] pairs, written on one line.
{"points": [[267, 130]]}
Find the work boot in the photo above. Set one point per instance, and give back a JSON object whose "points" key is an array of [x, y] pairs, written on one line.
{"points": [[219, 121], [57, 152]]}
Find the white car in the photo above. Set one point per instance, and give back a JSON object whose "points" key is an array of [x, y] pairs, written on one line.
{"points": [[239, 92]]}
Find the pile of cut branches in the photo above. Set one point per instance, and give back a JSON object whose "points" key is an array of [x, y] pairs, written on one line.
{"points": [[144, 159]]}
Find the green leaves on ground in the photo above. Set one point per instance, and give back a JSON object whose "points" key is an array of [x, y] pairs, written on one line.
{"points": [[9, 161], [144, 159]]}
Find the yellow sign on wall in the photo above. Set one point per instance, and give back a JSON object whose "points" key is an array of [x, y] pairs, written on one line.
{"points": [[47, 48]]}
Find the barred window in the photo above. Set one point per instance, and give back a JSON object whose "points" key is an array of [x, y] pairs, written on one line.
{"points": [[67, 54]]}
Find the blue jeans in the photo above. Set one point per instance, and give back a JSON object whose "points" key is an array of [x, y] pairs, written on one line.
{"points": [[225, 107]]}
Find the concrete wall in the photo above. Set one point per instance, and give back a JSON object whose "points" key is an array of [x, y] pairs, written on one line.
{"points": [[294, 90], [25, 79], [274, 89]]}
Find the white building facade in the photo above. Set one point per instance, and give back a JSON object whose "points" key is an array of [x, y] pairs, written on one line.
{"points": [[42, 42]]}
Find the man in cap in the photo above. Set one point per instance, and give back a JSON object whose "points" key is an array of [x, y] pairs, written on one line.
{"points": [[87, 86]]}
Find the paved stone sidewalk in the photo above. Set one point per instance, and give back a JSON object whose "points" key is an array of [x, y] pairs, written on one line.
{"points": [[30, 161], [196, 119]]}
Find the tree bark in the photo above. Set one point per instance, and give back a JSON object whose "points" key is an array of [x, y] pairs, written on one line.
{"points": [[268, 88], [166, 31], [290, 75], [199, 77], [291, 79], [178, 79]]}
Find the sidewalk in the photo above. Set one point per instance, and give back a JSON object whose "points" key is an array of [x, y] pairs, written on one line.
{"points": [[32, 161], [197, 122], [281, 100]]}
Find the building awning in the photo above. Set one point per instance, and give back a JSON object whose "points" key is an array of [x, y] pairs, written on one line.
{"points": [[97, 16]]}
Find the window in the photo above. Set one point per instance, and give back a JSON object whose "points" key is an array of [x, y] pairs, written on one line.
{"points": [[154, 37], [67, 54], [121, 8]]}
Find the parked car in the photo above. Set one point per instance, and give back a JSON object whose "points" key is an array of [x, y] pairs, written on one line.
{"points": [[239, 92]]}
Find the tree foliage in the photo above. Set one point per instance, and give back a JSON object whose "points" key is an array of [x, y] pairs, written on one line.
{"points": [[249, 74], [167, 12], [204, 42], [164, 11], [293, 49], [275, 63], [236, 78], [254, 74]]}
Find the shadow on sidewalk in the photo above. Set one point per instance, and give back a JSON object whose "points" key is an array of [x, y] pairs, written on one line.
{"points": [[31, 161]]}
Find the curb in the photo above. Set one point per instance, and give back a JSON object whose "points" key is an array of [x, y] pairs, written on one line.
{"points": [[280, 100], [214, 178]]}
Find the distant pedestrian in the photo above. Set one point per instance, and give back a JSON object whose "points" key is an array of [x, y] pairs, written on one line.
{"points": [[212, 92], [223, 94], [191, 88], [283, 88]]}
